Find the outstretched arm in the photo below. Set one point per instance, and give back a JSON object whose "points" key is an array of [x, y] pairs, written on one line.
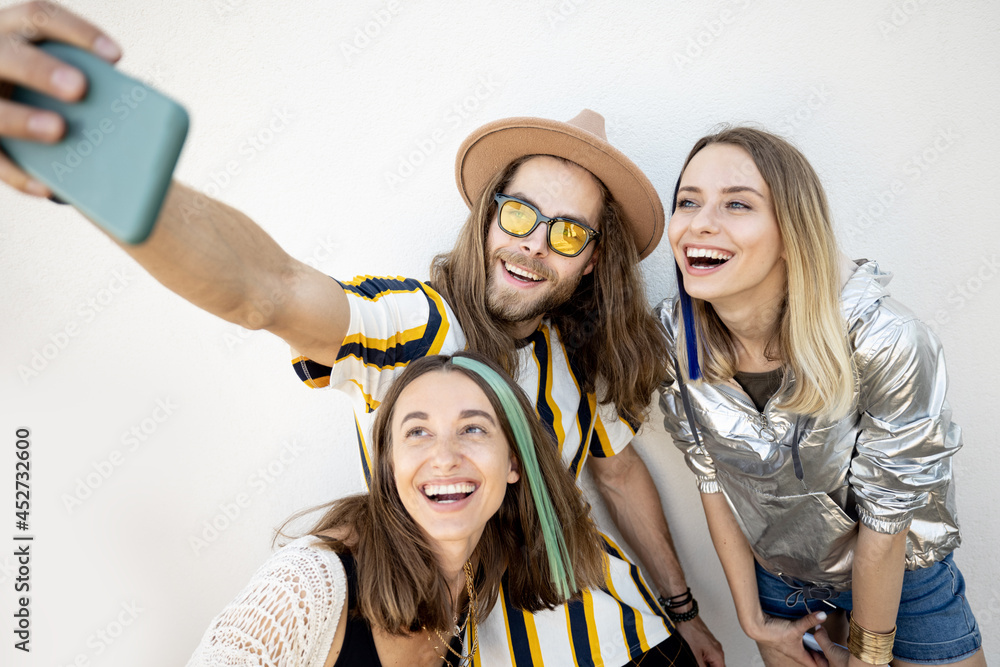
{"points": [[205, 251], [630, 494], [219, 260]]}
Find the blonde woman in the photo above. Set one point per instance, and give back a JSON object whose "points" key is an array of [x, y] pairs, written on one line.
{"points": [[811, 406]]}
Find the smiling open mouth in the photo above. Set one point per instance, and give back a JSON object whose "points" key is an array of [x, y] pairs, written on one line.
{"points": [[522, 274], [705, 258], [449, 493]]}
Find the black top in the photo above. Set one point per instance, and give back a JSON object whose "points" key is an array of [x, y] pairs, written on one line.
{"points": [[760, 387], [358, 648], [359, 643]]}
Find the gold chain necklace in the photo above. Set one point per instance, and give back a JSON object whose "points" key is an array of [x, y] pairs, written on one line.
{"points": [[464, 660]]}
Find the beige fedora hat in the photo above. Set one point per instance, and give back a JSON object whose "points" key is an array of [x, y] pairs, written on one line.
{"points": [[582, 140]]}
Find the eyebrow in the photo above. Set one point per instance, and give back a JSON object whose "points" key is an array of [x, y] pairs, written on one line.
{"points": [[466, 414], [414, 415], [573, 218], [730, 190]]}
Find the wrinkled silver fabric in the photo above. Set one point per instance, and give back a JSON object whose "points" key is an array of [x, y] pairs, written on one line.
{"points": [[887, 464]]}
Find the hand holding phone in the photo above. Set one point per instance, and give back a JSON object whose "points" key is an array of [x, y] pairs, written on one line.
{"points": [[810, 642], [116, 158], [23, 63]]}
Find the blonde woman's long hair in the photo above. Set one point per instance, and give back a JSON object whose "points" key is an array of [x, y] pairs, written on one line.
{"points": [[811, 337]]}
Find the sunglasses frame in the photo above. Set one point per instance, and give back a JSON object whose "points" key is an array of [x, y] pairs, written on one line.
{"points": [[592, 234]]}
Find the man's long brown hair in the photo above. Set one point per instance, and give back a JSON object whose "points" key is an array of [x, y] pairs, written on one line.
{"points": [[400, 585], [606, 325]]}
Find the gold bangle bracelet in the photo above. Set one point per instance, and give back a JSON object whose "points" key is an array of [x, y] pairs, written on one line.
{"points": [[875, 648]]}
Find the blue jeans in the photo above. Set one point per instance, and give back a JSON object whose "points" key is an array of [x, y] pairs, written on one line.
{"points": [[934, 626]]}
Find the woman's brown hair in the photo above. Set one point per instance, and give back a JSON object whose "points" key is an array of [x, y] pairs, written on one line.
{"points": [[401, 587]]}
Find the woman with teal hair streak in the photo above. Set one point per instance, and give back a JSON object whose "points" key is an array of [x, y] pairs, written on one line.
{"points": [[466, 490]]}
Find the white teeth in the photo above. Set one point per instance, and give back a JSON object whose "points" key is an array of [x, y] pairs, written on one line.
{"points": [[709, 252], [521, 272], [448, 489]]}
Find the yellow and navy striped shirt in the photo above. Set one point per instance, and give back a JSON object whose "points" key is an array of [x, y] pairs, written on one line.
{"points": [[397, 320]]}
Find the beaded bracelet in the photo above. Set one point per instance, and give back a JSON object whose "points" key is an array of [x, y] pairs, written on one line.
{"points": [[678, 601], [875, 648]]}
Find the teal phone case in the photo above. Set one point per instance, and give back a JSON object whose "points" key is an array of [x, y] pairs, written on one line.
{"points": [[122, 142]]}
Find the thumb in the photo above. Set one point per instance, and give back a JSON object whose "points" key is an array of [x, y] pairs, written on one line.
{"points": [[807, 623], [823, 639], [835, 654]]}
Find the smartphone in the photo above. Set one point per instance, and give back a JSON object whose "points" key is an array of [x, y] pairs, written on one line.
{"points": [[117, 158], [809, 640]]}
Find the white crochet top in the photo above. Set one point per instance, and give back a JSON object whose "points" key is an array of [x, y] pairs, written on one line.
{"points": [[286, 616]]}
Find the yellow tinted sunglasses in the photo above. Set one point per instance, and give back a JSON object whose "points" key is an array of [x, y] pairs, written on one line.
{"points": [[566, 237]]}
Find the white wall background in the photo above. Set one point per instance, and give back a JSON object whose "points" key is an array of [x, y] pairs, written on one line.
{"points": [[879, 95]]}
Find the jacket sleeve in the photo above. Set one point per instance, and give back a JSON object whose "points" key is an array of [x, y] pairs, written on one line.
{"points": [[287, 615], [675, 420], [906, 437]]}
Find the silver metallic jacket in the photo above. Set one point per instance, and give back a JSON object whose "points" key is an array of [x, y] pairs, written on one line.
{"points": [[887, 464]]}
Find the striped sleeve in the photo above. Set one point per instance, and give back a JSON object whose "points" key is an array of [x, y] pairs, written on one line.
{"points": [[611, 433], [393, 321]]}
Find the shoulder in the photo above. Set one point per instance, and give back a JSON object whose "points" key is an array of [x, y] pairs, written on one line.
{"points": [[304, 553], [667, 313], [895, 345], [403, 301], [301, 570], [372, 287], [882, 331], [286, 615]]}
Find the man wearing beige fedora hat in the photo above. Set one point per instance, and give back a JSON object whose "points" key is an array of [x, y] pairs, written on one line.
{"points": [[543, 279]]}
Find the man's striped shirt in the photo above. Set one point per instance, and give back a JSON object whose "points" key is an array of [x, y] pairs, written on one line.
{"points": [[397, 320]]}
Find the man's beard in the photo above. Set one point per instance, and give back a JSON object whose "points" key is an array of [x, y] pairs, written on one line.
{"points": [[509, 306]]}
